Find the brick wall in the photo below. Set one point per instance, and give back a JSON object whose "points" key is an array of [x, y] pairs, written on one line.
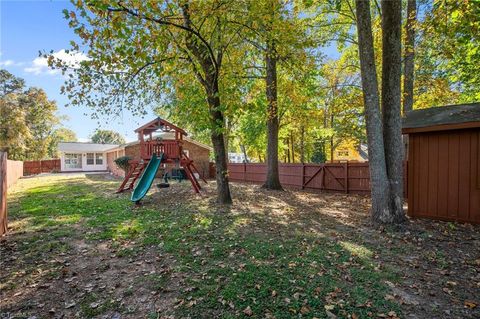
{"points": [[200, 157], [133, 151], [111, 166]]}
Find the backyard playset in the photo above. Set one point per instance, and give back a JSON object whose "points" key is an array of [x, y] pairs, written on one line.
{"points": [[155, 151]]}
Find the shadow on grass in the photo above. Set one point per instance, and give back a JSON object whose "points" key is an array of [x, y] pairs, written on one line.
{"points": [[268, 252]]}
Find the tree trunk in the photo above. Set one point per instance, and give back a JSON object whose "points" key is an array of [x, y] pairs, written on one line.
{"points": [[273, 179], [218, 141], [209, 80], [409, 64], [302, 144], [287, 141], [409, 59], [332, 148], [225, 142], [244, 151], [391, 103], [292, 143], [378, 171]]}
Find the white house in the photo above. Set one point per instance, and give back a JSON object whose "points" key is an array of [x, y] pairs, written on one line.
{"points": [[75, 156]]}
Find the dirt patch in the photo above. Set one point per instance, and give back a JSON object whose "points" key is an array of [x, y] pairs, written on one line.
{"points": [[88, 279]]}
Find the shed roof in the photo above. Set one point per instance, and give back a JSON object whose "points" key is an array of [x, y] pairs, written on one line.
{"points": [[84, 147], [442, 118]]}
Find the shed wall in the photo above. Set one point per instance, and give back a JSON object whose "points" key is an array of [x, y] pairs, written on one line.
{"points": [[444, 175]]}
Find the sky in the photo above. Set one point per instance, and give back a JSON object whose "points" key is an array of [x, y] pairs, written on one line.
{"points": [[27, 27]]}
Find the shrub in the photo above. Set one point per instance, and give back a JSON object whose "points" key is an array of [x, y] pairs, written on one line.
{"points": [[122, 162]]}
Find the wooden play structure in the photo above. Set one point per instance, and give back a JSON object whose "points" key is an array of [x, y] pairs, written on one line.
{"points": [[167, 151]]}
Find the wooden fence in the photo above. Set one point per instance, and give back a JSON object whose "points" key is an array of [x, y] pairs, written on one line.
{"points": [[14, 172], [43, 166], [345, 177], [3, 193]]}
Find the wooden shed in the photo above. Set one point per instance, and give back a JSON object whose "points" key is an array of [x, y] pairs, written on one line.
{"points": [[444, 162]]}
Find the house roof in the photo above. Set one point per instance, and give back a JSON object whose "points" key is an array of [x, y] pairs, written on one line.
{"points": [[84, 147], [442, 118]]}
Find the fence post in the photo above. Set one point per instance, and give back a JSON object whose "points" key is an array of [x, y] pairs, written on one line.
{"points": [[345, 171], [244, 171], [303, 174], [3, 193]]}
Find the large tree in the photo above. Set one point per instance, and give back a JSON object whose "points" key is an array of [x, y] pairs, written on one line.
{"points": [[276, 33], [385, 160], [391, 105], [27, 119], [409, 56], [135, 47], [107, 137], [452, 30], [61, 134]]}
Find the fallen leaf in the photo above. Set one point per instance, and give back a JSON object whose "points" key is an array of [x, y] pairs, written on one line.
{"points": [[389, 297], [70, 305], [304, 310], [94, 305], [248, 311], [470, 304]]}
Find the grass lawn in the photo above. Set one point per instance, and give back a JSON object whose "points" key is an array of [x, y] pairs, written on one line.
{"points": [[77, 250]]}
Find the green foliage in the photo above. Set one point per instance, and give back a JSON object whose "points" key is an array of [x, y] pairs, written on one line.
{"points": [[451, 30], [319, 155], [61, 134], [122, 162], [107, 137], [27, 120], [149, 64]]}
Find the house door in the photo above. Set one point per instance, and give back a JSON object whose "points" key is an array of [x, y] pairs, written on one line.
{"points": [[90, 162]]}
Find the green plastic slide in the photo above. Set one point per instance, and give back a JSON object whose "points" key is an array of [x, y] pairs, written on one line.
{"points": [[146, 180]]}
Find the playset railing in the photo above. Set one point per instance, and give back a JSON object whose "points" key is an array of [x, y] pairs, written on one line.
{"points": [[171, 149]]}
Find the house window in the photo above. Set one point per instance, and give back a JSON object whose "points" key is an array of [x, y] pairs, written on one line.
{"points": [[73, 160], [90, 158], [99, 159]]}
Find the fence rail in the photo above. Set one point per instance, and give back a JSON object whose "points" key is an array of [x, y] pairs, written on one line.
{"points": [[345, 177], [43, 166]]}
